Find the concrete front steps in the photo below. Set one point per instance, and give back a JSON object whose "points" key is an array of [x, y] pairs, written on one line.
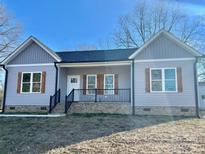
{"points": [[60, 108]]}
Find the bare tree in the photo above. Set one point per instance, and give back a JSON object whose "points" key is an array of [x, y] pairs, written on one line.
{"points": [[9, 32], [147, 19]]}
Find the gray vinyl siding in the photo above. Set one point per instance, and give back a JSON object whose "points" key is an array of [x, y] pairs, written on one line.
{"points": [[186, 98], [161, 48], [33, 54], [124, 77], [12, 98]]}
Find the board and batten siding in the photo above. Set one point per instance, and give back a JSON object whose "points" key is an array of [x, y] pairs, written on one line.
{"points": [[164, 48], [42, 99], [186, 98], [161, 48], [123, 72], [33, 54]]}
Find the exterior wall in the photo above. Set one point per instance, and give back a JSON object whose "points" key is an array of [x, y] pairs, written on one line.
{"points": [[161, 48], [124, 76], [201, 90], [163, 99], [33, 54], [15, 99]]}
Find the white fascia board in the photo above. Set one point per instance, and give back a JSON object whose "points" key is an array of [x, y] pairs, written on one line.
{"points": [[95, 64], [164, 60], [26, 65]]}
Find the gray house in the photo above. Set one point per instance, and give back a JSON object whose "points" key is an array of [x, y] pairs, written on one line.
{"points": [[156, 79]]}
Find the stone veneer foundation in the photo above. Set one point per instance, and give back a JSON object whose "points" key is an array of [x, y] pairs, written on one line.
{"points": [[100, 107], [125, 108], [26, 108], [171, 111], [112, 108]]}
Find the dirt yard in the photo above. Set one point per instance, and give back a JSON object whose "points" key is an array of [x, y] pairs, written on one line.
{"points": [[102, 134]]}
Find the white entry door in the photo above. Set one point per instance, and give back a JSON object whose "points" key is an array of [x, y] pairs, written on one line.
{"points": [[73, 82]]}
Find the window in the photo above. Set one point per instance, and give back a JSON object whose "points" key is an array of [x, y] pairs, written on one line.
{"points": [[31, 82], [74, 80], [163, 80], [91, 84], [156, 80], [109, 84]]}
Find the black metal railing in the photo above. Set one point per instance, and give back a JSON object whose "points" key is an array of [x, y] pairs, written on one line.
{"points": [[69, 100], [54, 100], [102, 95]]}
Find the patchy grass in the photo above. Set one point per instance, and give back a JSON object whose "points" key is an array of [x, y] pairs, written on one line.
{"points": [[102, 133]]}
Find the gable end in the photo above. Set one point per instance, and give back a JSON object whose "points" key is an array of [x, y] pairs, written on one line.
{"points": [[164, 45], [32, 51], [33, 54]]}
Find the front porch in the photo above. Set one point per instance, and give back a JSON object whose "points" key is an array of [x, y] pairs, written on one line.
{"points": [[94, 89]]}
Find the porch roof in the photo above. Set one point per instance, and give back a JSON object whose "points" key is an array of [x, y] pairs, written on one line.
{"points": [[96, 55]]}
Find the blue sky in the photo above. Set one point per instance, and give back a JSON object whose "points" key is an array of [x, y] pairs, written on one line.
{"points": [[66, 24]]}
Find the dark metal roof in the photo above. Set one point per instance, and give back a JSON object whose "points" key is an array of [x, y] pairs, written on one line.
{"points": [[96, 55]]}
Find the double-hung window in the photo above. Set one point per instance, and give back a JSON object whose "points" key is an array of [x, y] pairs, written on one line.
{"points": [[109, 84], [31, 82], [91, 84], [163, 80]]}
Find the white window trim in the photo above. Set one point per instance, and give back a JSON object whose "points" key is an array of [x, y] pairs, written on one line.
{"points": [[31, 83], [163, 80], [113, 75], [87, 82]]}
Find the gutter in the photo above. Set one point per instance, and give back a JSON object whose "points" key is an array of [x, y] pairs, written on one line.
{"points": [[133, 88], [56, 80], [5, 87], [196, 87]]}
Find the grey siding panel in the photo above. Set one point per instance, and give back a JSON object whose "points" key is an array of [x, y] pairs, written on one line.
{"points": [[12, 98], [123, 72], [32, 54], [187, 98], [163, 47]]}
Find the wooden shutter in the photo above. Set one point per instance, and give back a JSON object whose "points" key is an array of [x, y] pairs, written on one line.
{"points": [[43, 85], [116, 84], [147, 80], [19, 83], [100, 84], [84, 84], [179, 80]]}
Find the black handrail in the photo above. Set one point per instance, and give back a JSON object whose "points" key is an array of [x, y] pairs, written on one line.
{"points": [[102, 95], [54, 100], [69, 100]]}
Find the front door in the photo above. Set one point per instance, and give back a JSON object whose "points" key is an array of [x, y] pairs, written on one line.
{"points": [[73, 82]]}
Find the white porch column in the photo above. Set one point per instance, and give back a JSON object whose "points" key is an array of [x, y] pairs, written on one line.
{"points": [[132, 87]]}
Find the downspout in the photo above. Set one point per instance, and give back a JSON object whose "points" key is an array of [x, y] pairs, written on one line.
{"points": [[5, 88], [56, 82], [196, 88], [133, 88]]}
